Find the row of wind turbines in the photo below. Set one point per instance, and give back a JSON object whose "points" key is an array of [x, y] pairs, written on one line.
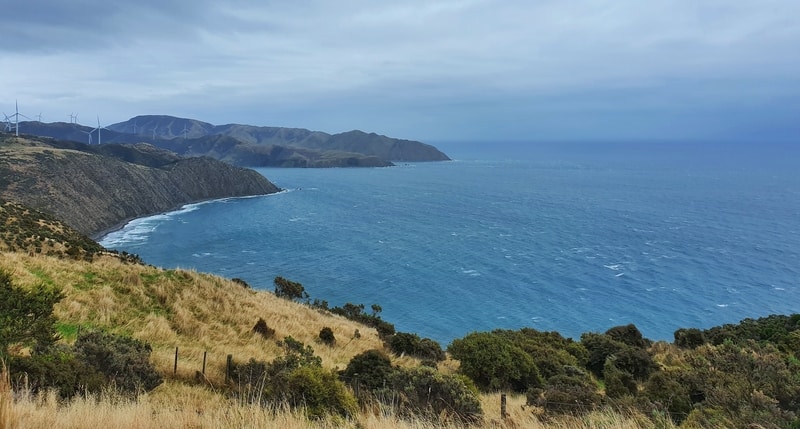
{"points": [[73, 119], [12, 122]]}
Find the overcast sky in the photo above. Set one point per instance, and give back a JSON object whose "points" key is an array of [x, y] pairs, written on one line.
{"points": [[523, 70]]}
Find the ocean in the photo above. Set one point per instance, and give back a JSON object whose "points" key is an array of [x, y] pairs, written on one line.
{"points": [[570, 237]]}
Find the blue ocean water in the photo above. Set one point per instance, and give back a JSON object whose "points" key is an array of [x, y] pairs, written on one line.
{"points": [[567, 237]]}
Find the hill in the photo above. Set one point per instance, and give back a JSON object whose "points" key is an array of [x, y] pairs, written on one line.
{"points": [[247, 145], [95, 188]]}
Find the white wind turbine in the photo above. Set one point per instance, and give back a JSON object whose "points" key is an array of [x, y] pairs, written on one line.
{"points": [[7, 122], [88, 133], [16, 116], [99, 139]]}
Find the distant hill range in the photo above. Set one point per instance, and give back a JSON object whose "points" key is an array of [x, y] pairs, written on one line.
{"points": [[247, 145], [93, 188]]}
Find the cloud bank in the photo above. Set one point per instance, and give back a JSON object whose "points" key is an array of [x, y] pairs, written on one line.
{"points": [[445, 70]]}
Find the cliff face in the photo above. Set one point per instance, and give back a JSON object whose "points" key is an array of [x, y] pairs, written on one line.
{"points": [[94, 192]]}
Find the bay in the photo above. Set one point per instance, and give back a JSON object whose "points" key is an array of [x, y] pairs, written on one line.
{"points": [[568, 237]]}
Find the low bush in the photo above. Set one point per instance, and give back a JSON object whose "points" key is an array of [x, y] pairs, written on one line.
{"points": [[262, 328], [425, 392], [327, 337], [412, 345], [124, 361]]}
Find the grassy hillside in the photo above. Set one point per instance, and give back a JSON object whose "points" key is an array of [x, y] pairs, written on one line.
{"points": [[95, 188], [197, 313]]}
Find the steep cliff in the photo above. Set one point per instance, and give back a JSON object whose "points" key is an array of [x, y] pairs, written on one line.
{"points": [[94, 190]]}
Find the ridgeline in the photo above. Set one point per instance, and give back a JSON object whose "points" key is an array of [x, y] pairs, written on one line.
{"points": [[94, 188]]}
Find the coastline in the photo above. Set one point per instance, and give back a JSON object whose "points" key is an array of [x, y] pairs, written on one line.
{"points": [[100, 235]]}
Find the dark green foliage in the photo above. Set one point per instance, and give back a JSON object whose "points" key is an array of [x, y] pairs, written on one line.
{"points": [[618, 382], [425, 392], [630, 335], [289, 290], [26, 317], [356, 312], [564, 394], [600, 347], [296, 379], [26, 229], [241, 283], [412, 345], [124, 361], [777, 329], [368, 371], [495, 363], [550, 351], [57, 369], [327, 337], [262, 328], [689, 338], [636, 362], [669, 392]]}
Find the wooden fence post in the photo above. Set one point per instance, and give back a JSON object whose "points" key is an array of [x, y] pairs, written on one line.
{"points": [[503, 413], [204, 362], [175, 368]]}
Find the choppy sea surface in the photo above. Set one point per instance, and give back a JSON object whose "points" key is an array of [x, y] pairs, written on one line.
{"points": [[567, 237]]}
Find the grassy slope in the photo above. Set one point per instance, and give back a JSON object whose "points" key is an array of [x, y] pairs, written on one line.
{"points": [[198, 313]]}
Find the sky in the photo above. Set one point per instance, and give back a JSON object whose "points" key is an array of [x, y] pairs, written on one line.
{"points": [[466, 70]]}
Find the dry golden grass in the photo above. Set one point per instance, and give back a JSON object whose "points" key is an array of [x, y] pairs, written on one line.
{"points": [[200, 313]]}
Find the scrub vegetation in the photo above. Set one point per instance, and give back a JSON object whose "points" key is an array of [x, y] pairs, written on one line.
{"points": [[101, 340]]}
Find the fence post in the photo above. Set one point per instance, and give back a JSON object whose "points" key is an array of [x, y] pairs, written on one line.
{"points": [[228, 366], [503, 413], [175, 368], [204, 362]]}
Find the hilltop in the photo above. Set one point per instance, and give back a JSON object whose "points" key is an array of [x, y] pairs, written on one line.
{"points": [[248, 145], [97, 187]]}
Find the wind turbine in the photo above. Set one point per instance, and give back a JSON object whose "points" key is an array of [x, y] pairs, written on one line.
{"points": [[99, 140], [88, 133], [16, 116], [7, 122]]}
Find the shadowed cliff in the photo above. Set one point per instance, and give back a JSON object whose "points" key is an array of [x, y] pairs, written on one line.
{"points": [[94, 189]]}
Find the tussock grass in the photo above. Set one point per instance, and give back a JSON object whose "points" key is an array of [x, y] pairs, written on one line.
{"points": [[200, 313]]}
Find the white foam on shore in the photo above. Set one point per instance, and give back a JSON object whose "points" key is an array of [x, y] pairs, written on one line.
{"points": [[138, 230]]}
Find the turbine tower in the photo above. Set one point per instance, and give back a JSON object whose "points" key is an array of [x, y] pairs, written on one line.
{"points": [[99, 139], [88, 133], [16, 116], [7, 121]]}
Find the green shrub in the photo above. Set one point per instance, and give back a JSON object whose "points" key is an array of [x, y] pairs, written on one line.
{"points": [[318, 391], [26, 317], [288, 289], [412, 345], [296, 379], [689, 338], [58, 370], [630, 335], [368, 371], [565, 394], [327, 337], [495, 363], [600, 347], [124, 361], [668, 391], [618, 383], [427, 393]]}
